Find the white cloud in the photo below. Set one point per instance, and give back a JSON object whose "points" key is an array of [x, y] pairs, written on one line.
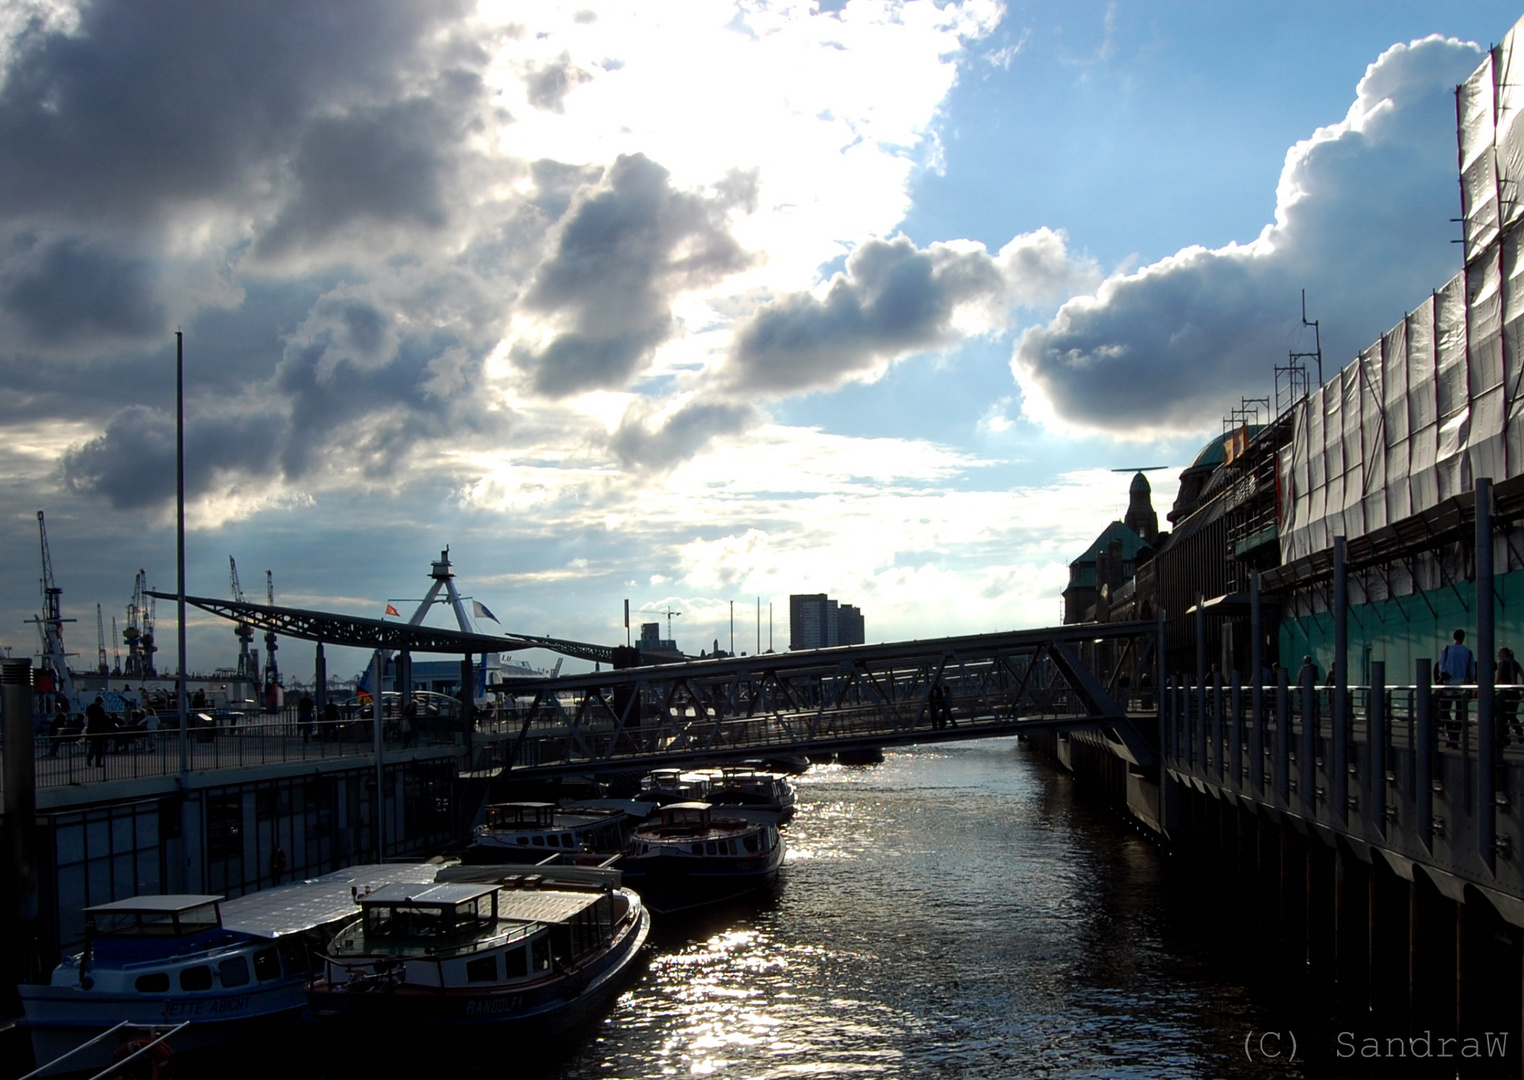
{"points": [[1362, 223]]}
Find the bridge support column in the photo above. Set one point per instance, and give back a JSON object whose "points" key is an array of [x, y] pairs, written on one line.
{"points": [[1352, 901], [1322, 916], [1436, 931], [1491, 991], [1390, 967], [1293, 903]]}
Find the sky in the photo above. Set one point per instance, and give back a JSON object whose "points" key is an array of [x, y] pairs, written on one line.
{"points": [[696, 304]]}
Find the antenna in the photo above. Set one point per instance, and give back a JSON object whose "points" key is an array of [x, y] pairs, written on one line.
{"points": [[1317, 341]]}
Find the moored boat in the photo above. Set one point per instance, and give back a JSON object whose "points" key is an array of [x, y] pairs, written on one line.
{"points": [[528, 954], [694, 855], [754, 794], [227, 967], [517, 832]]}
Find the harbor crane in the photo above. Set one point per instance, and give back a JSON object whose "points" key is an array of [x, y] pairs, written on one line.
{"points": [[116, 652], [54, 675], [248, 659], [101, 665], [272, 673], [139, 632]]}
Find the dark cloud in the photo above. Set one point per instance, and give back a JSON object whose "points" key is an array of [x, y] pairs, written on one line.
{"points": [[626, 248], [1363, 225], [892, 299], [132, 463], [387, 165], [548, 85], [150, 103], [66, 289], [679, 436]]}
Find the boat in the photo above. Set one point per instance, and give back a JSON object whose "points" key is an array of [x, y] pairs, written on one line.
{"points": [[226, 967], [662, 786], [523, 956], [754, 794], [517, 832], [694, 855]]}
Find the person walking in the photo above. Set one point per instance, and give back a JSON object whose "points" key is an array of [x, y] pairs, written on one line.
{"points": [[1508, 681], [1456, 666], [98, 728], [304, 713]]}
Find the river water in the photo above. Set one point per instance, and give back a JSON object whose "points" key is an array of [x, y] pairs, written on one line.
{"points": [[953, 912]]}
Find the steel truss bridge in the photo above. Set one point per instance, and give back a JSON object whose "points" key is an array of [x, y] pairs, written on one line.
{"points": [[838, 699]]}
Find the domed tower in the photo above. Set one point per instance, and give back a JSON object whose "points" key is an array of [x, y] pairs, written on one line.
{"points": [[1141, 517]]}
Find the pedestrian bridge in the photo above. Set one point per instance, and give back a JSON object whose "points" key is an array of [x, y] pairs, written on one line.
{"points": [[847, 698]]}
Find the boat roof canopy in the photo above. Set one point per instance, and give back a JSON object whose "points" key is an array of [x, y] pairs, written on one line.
{"points": [[171, 903], [290, 909], [427, 895]]}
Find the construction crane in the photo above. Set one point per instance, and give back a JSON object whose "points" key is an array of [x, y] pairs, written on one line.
{"points": [[54, 675], [101, 666], [139, 632], [669, 613], [272, 673], [248, 659], [116, 652]]}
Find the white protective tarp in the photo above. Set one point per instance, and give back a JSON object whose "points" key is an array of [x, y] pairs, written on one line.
{"points": [[1507, 71], [1479, 182], [1439, 400]]}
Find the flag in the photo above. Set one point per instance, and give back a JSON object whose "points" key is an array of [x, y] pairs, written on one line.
{"points": [[393, 611], [479, 609]]}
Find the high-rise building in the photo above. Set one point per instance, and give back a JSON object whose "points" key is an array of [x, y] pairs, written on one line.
{"points": [[849, 625], [815, 621]]}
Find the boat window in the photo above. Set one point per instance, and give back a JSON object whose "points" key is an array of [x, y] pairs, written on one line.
{"points": [[539, 841], [698, 849], [295, 954], [553, 841], [513, 964], [524, 840], [713, 849], [266, 965], [541, 947], [385, 921], [483, 969], [155, 983], [566, 840], [234, 971], [196, 978], [751, 842]]}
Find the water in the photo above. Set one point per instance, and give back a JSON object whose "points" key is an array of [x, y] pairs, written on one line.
{"points": [[954, 912]]}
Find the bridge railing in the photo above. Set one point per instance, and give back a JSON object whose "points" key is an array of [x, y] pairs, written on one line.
{"points": [[1421, 770], [135, 754]]}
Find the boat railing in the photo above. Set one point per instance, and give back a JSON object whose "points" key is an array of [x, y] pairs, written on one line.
{"points": [[157, 1034]]}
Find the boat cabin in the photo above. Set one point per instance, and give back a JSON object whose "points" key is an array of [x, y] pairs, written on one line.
{"points": [[173, 916], [686, 816], [431, 914]]}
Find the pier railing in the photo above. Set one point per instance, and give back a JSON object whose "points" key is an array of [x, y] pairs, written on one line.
{"points": [[1427, 772]]}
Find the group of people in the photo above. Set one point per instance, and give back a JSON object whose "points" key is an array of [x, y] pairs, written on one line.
{"points": [[1456, 666]]}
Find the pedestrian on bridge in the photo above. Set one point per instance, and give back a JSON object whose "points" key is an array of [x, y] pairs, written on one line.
{"points": [[1456, 666]]}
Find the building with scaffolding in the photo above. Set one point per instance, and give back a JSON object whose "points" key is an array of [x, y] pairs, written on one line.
{"points": [[1386, 454]]}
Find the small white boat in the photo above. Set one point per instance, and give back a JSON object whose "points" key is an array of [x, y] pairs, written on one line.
{"points": [[695, 855], [526, 955], [227, 967], [529, 831]]}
